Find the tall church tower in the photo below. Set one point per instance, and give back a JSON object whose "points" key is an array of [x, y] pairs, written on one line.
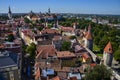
{"points": [[9, 13], [88, 39], [108, 54]]}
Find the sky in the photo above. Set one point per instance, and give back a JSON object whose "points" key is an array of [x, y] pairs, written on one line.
{"points": [[62, 6]]}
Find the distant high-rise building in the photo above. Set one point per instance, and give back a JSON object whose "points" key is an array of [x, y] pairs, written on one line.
{"points": [[108, 54], [9, 13], [49, 11]]}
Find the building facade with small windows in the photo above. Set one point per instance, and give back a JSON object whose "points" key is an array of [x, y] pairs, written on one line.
{"points": [[9, 66]]}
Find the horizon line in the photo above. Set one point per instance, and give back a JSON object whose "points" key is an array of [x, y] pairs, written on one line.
{"points": [[63, 13]]}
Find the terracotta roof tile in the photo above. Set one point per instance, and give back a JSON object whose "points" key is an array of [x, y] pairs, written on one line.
{"points": [[88, 36], [50, 31], [73, 78], [57, 38], [68, 29], [37, 75], [63, 69], [108, 48], [93, 64], [65, 54], [85, 56], [45, 50], [2, 46]]}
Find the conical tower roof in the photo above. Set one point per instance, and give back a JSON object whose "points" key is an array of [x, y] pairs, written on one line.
{"points": [[89, 27], [108, 48], [88, 36], [9, 10]]}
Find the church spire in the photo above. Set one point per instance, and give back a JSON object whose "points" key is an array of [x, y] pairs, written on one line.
{"points": [[9, 13]]}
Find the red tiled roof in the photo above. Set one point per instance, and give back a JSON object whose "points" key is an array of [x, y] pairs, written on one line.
{"points": [[68, 29], [63, 69], [73, 78], [65, 54], [85, 56], [26, 32], [36, 64], [57, 38], [2, 46], [108, 48], [45, 50], [88, 36], [37, 75], [50, 31], [93, 64]]}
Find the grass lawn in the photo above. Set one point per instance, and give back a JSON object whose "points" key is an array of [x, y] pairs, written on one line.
{"points": [[96, 48]]}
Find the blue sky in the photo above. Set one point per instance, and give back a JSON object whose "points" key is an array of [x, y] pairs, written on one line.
{"points": [[62, 6]]}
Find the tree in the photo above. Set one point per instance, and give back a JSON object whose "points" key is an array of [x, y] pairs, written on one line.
{"points": [[40, 28], [98, 72], [73, 37], [11, 37], [96, 40], [31, 50], [66, 46], [27, 20], [103, 42], [117, 55]]}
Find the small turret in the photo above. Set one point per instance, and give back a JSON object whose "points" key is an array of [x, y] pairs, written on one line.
{"points": [[108, 54]]}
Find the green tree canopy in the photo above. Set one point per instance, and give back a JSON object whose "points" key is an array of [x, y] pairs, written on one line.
{"points": [[11, 37], [73, 37], [27, 20], [103, 42], [117, 55], [31, 50], [66, 46], [99, 72]]}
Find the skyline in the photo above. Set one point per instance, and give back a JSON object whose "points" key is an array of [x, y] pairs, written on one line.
{"points": [[62, 6]]}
